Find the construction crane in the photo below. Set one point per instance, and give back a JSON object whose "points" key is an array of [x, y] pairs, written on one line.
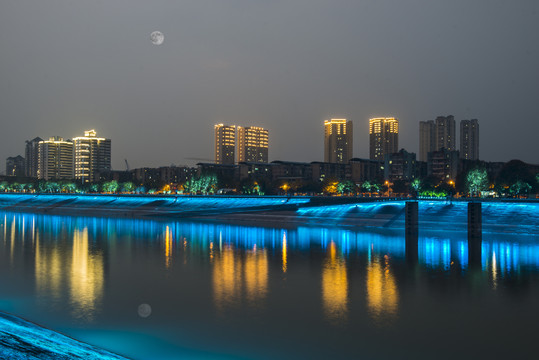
{"points": [[126, 165]]}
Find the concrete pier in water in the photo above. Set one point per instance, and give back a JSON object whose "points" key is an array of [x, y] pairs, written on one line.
{"points": [[475, 233], [411, 230]]}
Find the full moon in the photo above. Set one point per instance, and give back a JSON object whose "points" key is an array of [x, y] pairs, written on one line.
{"points": [[157, 37], [144, 310]]}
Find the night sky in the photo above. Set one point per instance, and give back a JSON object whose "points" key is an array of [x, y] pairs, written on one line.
{"points": [[68, 66]]}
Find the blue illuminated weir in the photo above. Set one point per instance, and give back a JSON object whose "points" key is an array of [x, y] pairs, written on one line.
{"points": [[498, 216]]}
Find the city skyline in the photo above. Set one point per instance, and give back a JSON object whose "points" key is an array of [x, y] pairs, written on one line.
{"points": [[434, 135], [273, 65]]}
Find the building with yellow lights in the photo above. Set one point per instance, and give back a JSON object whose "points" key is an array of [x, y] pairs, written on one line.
{"points": [[225, 144], [383, 137], [92, 156], [55, 159], [252, 144], [338, 145]]}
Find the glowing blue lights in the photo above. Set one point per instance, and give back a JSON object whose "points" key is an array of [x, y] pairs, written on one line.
{"points": [[498, 217], [436, 253], [170, 204]]}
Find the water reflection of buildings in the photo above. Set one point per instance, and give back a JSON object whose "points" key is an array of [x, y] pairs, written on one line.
{"points": [[382, 292], [237, 277], [81, 275], [284, 255], [86, 277], [334, 286], [169, 242]]}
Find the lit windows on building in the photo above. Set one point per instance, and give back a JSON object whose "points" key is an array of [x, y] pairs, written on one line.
{"points": [[383, 137], [253, 143], [225, 144], [338, 141], [55, 159], [92, 156]]}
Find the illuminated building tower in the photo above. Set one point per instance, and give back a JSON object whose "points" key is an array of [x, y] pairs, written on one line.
{"points": [[445, 133], [338, 135], [55, 159], [92, 155], [469, 139], [252, 144], [427, 139], [384, 137], [225, 144], [31, 157]]}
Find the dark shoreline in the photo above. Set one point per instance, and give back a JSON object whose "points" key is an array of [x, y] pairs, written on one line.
{"points": [[22, 339]]}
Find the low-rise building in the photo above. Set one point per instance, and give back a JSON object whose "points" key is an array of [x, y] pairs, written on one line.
{"points": [[400, 166], [362, 170], [15, 166], [322, 171], [443, 164]]}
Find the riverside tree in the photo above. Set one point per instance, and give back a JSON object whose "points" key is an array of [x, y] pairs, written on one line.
{"points": [[476, 181]]}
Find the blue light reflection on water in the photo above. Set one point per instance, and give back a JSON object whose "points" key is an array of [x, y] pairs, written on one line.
{"points": [[236, 248], [433, 251], [436, 253]]}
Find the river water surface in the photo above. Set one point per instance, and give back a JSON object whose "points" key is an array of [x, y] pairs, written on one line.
{"points": [[155, 290]]}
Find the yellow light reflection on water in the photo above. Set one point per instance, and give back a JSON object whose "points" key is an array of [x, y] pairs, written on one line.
{"points": [[48, 271], [256, 275], [335, 286], [86, 277], [239, 278], [494, 271], [382, 292], [285, 253], [12, 239], [226, 279], [168, 246]]}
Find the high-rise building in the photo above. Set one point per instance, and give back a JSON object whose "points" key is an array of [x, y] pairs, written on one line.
{"points": [[55, 159], [445, 133], [252, 144], [383, 137], [469, 139], [92, 156], [338, 145], [225, 144], [15, 166], [31, 156], [427, 138]]}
